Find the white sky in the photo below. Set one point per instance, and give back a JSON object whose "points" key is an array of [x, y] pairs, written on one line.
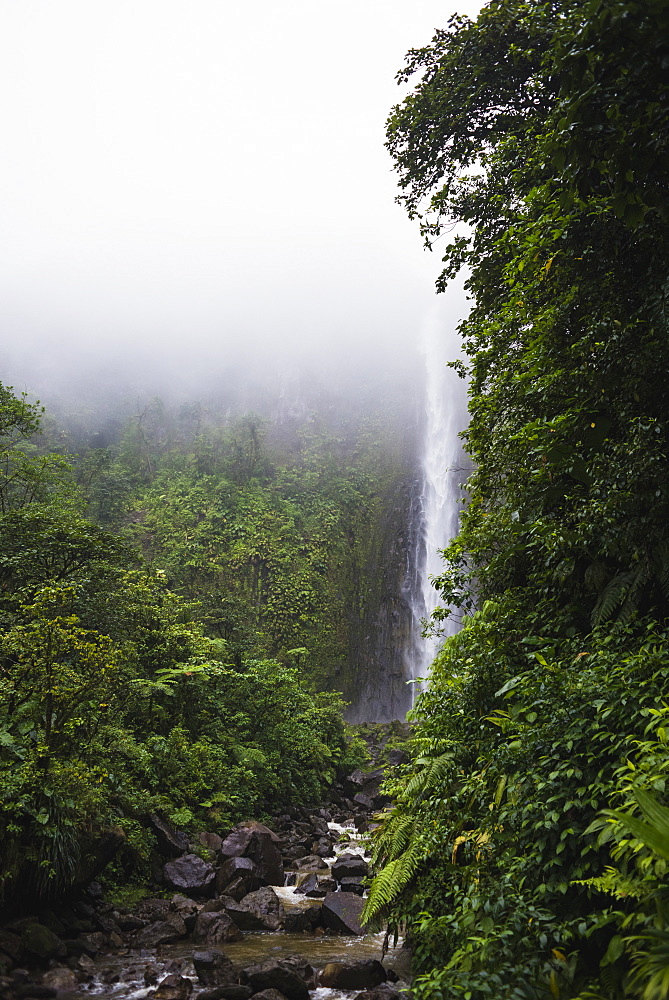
{"points": [[185, 177]]}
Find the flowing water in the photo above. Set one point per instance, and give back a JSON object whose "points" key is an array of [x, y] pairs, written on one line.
{"points": [[121, 976], [437, 502]]}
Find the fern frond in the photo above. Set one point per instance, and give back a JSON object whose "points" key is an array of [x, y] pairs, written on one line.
{"points": [[390, 882]]}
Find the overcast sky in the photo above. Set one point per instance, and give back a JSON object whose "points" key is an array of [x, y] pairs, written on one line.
{"points": [[188, 178]]}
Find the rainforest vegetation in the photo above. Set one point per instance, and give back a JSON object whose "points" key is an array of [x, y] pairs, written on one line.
{"points": [[527, 855], [181, 595]]}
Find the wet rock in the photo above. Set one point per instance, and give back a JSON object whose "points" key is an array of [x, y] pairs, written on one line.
{"points": [[259, 843], [214, 968], [292, 976], [171, 842], [153, 909], [212, 841], [190, 875], [350, 866], [174, 987], [352, 885], [240, 887], [396, 757], [364, 974], [160, 932], [302, 918], [39, 942], [341, 912], [226, 993], [129, 922], [382, 992], [151, 975], [260, 910], [317, 886], [60, 978], [215, 928], [6, 964], [364, 801], [312, 862], [240, 871]]}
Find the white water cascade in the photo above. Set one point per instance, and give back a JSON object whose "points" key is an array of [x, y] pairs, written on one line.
{"points": [[438, 502]]}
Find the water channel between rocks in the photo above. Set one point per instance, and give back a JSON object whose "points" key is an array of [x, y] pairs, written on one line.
{"points": [[121, 977]]}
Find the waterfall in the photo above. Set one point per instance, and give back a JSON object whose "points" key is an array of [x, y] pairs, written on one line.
{"points": [[438, 493]]}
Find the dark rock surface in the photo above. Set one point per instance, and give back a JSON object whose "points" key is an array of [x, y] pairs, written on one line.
{"points": [[341, 912], [190, 875], [171, 842], [214, 968], [364, 974]]}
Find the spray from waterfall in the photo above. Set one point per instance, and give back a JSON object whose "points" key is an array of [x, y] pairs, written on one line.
{"points": [[438, 494]]}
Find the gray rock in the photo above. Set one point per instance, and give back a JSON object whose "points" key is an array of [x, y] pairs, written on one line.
{"points": [[60, 978], [312, 862], [259, 843], [215, 928], [291, 976], [364, 974], [38, 941], [214, 968], [160, 932], [190, 875], [342, 911], [258, 911], [171, 842], [174, 987], [350, 866]]}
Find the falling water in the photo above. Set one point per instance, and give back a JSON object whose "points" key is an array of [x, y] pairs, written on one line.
{"points": [[438, 496]]}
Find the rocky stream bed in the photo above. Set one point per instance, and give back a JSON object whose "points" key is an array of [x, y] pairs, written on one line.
{"points": [[268, 912]]}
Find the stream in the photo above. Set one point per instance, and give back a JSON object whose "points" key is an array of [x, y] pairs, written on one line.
{"points": [[132, 974]]}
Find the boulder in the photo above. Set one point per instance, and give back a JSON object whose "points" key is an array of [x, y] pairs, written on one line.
{"points": [[171, 842], [364, 974], [302, 918], [270, 995], [39, 942], [212, 841], [174, 987], [215, 928], [214, 968], [364, 801], [317, 886], [312, 862], [160, 932], [259, 911], [341, 912], [240, 887], [33, 991], [352, 885], [237, 870], [259, 843], [292, 976], [190, 875], [60, 978], [350, 866]]}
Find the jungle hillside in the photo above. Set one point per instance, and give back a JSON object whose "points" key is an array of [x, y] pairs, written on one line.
{"points": [[527, 853]]}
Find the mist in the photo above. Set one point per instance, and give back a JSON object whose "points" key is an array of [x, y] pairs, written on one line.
{"points": [[197, 189]]}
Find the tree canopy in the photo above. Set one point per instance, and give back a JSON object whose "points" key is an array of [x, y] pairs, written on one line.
{"points": [[535, 144]]}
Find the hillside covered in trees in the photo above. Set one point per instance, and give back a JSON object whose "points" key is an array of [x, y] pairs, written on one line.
{"points": [[527, 855], [186, 591]]}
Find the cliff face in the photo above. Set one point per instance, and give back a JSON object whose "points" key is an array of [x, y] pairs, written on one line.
{"points": [[381, 634]]}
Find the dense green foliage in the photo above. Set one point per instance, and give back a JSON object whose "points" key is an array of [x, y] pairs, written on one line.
{"points": [[544, 127], [119, 696]]}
